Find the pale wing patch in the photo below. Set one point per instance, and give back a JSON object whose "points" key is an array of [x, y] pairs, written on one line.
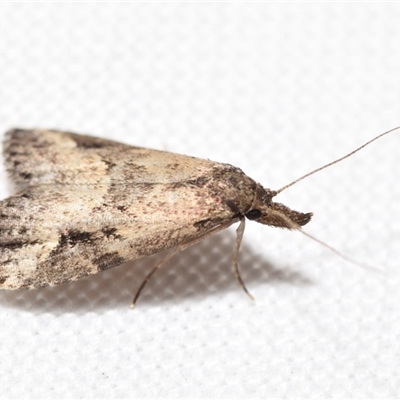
{"points": [[45, 156], [40, 156]]}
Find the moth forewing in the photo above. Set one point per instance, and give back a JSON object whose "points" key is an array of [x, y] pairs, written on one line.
{"points": [[90, 204]]}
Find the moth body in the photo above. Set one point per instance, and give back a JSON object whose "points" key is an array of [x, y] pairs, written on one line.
{"points": [[85, 204]]}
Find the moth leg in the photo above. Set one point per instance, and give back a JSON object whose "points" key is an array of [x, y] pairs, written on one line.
{"points": [[179, 248], [152, 272], [239, 237]]}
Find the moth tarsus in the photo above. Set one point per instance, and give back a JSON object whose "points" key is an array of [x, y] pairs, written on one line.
{"points": [[239, 237], [86, 204]]}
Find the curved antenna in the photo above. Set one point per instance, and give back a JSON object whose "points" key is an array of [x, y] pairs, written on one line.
{"points": [[293, 225], [336, 161], [338, 253]]}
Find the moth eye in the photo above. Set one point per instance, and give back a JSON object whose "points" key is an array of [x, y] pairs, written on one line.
{"points": [[253, 214]]}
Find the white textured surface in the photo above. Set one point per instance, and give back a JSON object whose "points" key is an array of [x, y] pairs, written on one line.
{"points": [[276, 89]]}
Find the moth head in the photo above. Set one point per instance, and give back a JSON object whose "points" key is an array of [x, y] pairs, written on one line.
{"points": [[267, 212]]}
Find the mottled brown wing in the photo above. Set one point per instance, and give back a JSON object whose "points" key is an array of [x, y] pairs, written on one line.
{"points": [[92, 206], [55, 234]]}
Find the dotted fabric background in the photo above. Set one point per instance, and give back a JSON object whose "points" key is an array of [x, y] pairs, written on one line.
{"points": [[275, 89]]}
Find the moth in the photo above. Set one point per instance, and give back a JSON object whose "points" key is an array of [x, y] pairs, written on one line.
{"points": [[86, 204]]}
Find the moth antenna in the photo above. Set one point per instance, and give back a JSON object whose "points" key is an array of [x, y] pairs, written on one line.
{"points": [[239, 237], [336, 161], [292, 225], [338, 253]]}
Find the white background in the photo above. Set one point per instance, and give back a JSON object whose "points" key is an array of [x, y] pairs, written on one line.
{"points": [[275, 89]]}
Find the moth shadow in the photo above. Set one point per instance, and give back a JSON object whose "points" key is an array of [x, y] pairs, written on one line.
{"points": [[201, 270]]}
